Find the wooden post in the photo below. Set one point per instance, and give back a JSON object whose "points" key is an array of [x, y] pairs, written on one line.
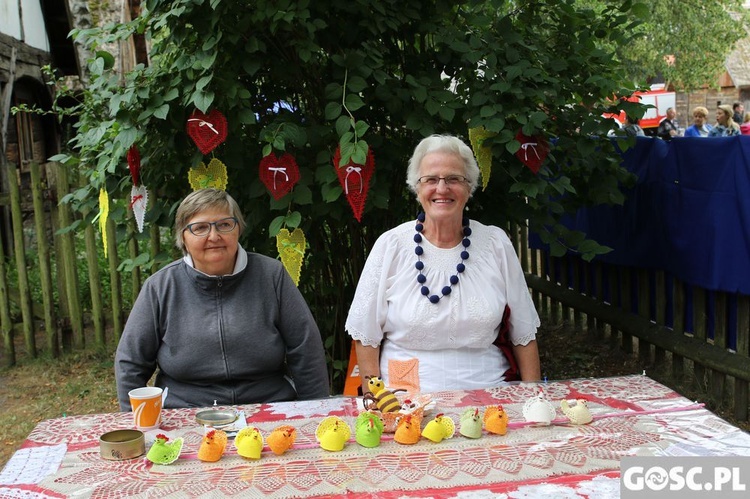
{"points": [[718, 379], [95, 285], [114, 280], [627, 306], [644, 295], [741, 387], [45, 269], [155, 243], [660, 299], [678, 314], [23, 276], [71, 269], [524, 244], [6, 323], [134, 250], [699, 331]]}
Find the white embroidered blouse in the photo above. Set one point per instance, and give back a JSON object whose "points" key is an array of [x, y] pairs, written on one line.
{"points": [[428, 347]]}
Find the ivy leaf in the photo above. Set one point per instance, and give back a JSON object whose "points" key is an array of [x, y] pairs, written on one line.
{"points": [[275, 226], [293, 219], [162, 111], [332, 110]]}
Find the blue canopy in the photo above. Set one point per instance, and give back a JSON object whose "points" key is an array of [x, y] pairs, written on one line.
{"points": [[688, 214]]}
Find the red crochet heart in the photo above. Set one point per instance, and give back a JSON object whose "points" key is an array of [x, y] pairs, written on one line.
{"points": [[207, 131], [355, 179], [134, 164], [279, 174], [533, 151]]}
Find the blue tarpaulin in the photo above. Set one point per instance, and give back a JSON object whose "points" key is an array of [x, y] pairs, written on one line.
{"points": [[688, 214]]}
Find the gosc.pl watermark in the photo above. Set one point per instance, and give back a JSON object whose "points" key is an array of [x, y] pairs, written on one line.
{"points": [[707, 477]]}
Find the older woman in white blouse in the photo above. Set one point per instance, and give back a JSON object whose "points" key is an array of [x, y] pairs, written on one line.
{"points": [[433, 291]]}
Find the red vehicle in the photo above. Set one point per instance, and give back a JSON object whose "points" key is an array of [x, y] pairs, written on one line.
{"points": [[659, 98]]}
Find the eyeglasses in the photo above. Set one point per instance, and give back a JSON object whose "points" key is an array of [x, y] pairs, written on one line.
{"points": [[202, 229], [450, 180]]}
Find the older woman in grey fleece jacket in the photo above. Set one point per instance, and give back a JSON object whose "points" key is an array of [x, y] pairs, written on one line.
{"points": [[221, 324]]}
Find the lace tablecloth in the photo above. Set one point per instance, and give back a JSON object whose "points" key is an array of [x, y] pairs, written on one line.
{"points": [[633, 415]]}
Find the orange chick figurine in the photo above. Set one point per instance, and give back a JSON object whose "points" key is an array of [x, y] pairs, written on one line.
{"points": [[496, 420], [281, 439], [212, 446], [249, 442], [439, 428], [407, 431], [333, 433]]}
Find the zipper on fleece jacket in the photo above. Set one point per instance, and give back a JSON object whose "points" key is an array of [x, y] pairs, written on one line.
{"points": [[220, 318]]}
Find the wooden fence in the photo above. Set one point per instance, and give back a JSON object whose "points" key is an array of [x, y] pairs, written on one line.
{"points": [[646, 312], [62, 320], [690, 334]]}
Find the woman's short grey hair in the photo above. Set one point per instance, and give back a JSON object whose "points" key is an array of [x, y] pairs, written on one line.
{"points": [[199, 201], [442, 143]]}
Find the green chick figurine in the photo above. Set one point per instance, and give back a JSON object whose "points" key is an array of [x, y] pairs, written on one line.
{"points": [[471, 423], [163, 451], [368, 429]]}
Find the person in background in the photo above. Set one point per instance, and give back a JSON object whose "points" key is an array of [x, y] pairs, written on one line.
{"points": [[431, 300], [745, 126], [738, 112], [668, 126], [725, 125], [221, 324], [632, 128], [700, 126]]}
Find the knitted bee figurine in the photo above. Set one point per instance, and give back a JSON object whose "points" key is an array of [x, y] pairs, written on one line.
{"points": [[380, 397]]}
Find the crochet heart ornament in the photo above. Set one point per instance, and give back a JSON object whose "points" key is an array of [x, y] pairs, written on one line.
{"points": [[279, 174], [355, 179], [139, 202], [214, 175], [533, 151], [207, 130], [134, 164], [291, 248], [483, 154]]}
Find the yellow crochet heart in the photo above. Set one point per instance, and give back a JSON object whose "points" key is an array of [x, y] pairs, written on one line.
{"points": [[103, 215], [291, 248], [214, 175], [484, 154]]}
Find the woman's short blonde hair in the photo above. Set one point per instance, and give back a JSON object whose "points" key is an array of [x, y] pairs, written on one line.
{"points": [[746, 117], [202, 200], [700, 111]]}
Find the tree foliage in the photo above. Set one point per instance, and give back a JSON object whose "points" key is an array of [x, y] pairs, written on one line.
{"points": [[308, 76], [685, 42]]}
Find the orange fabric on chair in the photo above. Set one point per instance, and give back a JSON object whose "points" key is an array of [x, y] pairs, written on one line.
{"points": [[352, 383]]}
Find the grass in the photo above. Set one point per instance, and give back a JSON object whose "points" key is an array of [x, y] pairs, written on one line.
{"points": [[84, 383], [44, 389]]}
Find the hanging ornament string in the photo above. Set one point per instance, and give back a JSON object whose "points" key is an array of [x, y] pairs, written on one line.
{"points": [[421, 278]]}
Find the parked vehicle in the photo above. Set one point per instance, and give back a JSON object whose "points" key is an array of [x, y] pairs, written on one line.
{"points": [[659, 99]]}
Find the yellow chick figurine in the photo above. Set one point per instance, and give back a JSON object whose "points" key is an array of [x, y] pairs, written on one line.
{"points": [[333, 433], [212, 446], [439, 428], [407, 431], [281, 439], [578, 413], [249, 442], [496, 420], [471, 423]]}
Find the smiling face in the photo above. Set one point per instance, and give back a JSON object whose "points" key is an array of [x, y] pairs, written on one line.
{"points": [[215, 253], [442, 202]]}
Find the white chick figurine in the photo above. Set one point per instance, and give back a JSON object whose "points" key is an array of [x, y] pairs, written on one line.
{"points": [[578, 413], [539, 410]]}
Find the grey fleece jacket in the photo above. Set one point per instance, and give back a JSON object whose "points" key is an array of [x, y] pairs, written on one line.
{"points": [[233, 339]]}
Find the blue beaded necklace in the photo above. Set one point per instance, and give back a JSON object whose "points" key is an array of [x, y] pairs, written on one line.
{"points": [[421, 278]]}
